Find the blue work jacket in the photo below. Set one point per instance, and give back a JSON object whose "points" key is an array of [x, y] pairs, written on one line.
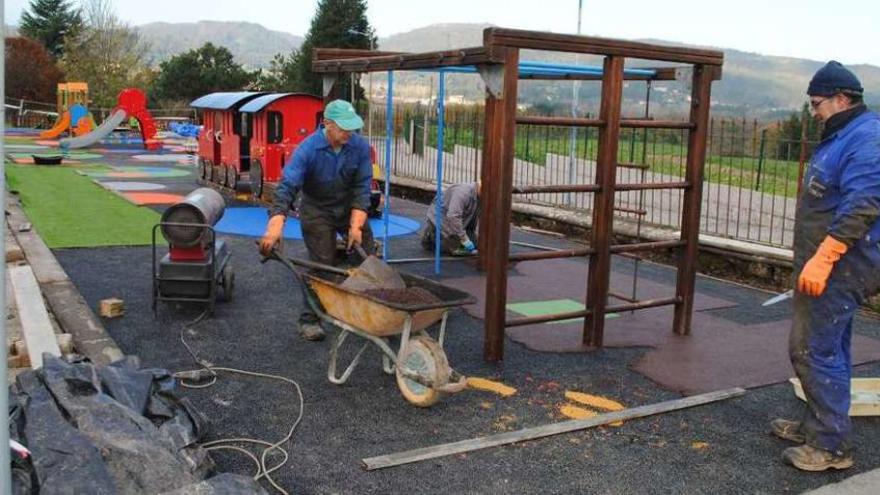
{"points": [[841, 192], [329, 181]]}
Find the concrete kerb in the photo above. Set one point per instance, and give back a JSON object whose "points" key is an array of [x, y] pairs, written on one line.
{"points": [[90, 338]]}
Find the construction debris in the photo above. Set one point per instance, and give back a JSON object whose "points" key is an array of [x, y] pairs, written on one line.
{"points": [[111, 308]]}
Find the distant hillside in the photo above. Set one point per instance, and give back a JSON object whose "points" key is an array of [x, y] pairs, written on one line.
{"points": [[753, 85], [252, 44]]}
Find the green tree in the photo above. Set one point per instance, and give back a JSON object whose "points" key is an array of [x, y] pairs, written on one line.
{"points": [[197, 72], [108, 54], [337, 24], [50, 22]]}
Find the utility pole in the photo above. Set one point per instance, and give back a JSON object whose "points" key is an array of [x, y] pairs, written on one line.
{"points": [[5, 464], [572, 137]]}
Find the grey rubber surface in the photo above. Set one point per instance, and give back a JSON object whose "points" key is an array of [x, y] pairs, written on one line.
{"points": [[720, 448]]}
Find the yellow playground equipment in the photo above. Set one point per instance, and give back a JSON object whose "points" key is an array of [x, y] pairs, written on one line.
{"points": [[73, 100]]}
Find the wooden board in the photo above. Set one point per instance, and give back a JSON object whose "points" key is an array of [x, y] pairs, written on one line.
{"points": [[442, 450], [36, 326], [864, 395]]}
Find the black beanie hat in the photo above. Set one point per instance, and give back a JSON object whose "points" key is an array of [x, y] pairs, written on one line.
{"points": [[834, 78]]}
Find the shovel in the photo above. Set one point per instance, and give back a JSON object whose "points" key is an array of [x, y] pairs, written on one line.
{"points": [[373, 273]]}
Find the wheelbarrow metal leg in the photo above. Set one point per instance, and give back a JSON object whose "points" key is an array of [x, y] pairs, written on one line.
{"points": [[334, 354]]}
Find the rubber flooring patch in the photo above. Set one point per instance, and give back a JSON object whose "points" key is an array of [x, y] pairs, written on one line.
{"points": [[540, 308], [251, 222], [139, 173], [133, 186], [149, 198]]}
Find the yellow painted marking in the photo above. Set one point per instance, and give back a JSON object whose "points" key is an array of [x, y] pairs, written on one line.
{"points": [[490, 386], [596, 401], [699, 445], [575, 412]]}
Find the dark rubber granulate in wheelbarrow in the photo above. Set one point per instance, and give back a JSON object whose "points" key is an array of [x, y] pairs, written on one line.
{"points": [[410, 295]]}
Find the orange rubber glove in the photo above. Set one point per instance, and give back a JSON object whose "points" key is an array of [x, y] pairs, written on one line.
{"points": [[814, 276], [273, 234], [355, 227]]}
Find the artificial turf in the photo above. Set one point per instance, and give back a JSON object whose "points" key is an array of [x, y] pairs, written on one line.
{"points": [[69, 210]]}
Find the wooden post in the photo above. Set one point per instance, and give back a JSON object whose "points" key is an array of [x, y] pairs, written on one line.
{"points": [[603, 202], [491, 128], [498, 228], [693, 197]]}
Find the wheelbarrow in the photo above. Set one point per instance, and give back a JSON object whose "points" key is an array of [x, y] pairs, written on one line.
{"points": [[420, 364]]}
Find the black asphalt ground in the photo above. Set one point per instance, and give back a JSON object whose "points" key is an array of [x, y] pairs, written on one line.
{"points": [[719, 448]]}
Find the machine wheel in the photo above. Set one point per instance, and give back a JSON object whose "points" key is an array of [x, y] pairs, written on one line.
{"points": [[203, 169], [228, 282], [231, 178], [424, 356], [256, 174]]}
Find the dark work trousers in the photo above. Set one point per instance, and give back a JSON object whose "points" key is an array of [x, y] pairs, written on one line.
{"points": [[320, 227], [448, 244], [819, 347]]}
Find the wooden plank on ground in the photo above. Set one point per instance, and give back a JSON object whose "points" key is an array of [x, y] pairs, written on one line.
{"points": [[35, 323], [396, 459]]}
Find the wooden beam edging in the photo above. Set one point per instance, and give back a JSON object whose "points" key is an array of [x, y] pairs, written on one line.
{"points": [[538, 40], [470, 445]]}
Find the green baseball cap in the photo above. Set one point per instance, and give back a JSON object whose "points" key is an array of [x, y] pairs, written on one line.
{"points": [[341, 112]]}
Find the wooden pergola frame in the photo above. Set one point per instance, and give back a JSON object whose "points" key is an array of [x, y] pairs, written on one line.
{"points": [[497, 61]]}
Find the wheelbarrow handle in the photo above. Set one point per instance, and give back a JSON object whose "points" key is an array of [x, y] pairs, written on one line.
{"points": [[289, 262]]}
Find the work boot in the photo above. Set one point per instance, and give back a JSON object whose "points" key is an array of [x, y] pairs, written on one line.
{"points": [[787, 429], [311, 330], [808, 458]]}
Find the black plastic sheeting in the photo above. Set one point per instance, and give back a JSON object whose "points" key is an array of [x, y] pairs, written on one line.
{"points": [[110, 429]]}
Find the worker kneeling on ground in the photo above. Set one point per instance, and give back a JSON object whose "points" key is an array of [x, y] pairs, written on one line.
{"points": [[837, 259], [459, 215], [333, 171]]}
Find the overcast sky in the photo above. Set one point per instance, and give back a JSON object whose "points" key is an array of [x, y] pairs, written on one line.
{"points": [[814, 29]]}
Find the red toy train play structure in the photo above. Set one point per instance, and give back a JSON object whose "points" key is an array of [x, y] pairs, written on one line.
{"points": [[253, 133]]}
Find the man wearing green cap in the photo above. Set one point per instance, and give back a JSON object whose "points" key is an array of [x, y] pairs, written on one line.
{"points": [[333, 171]]}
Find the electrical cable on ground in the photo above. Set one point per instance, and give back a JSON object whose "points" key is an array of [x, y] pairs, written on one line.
{"points": [[209, 371]]}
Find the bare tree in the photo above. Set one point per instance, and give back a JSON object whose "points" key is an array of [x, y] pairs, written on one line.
{"points": [[108, 54]]}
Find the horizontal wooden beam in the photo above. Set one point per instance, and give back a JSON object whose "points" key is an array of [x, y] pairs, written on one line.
{"points": [[343, 53], [652, 185], [549, 255], [555, 188], [409, 61], [646, 246], [538, 40], [470, 445], [581, 122]]}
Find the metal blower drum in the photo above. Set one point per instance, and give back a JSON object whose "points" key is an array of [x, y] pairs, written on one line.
{"points": [[196, 267], [204, 206]]}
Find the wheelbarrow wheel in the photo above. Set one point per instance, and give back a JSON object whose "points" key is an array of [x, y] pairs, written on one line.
{"points": [[425, 357]]}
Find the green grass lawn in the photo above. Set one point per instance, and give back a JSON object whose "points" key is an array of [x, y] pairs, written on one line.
{"points": [[69, 210]]}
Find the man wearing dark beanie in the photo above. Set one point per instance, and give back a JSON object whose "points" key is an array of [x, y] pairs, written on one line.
{"points": [[837, 264]]}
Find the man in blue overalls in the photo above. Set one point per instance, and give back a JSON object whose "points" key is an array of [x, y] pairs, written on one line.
{"points": [[837, 259], [332, 169]]}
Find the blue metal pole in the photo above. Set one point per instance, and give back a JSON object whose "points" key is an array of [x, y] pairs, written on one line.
{"points": [[438, 208], [389, 131]]}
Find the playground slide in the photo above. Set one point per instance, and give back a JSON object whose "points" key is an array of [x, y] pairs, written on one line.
{"points": [[99, 133], [60, 126]]}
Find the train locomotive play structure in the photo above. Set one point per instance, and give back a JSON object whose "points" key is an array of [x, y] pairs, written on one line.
{"points": [[252, 133]]}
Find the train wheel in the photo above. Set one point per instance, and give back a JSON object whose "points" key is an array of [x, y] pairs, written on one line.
{"points": [[425, 357], [256, 174], [203, 169], [231, 178], [217, 175]]}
